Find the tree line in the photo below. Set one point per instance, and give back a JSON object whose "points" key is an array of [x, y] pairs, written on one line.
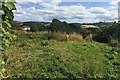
{"points": [[105, 33]]}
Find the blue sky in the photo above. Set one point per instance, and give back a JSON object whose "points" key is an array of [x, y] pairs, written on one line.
{"points": [[78, 12]]}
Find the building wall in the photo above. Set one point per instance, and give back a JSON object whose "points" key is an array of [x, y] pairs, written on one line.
{"points": [[26, 29]]}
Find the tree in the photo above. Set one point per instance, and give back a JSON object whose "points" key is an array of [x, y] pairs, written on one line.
{"points": [[58, 26], [15, 25], [107, 33]]}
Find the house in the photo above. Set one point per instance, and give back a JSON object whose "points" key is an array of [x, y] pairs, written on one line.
{"points": [[25, 27]]}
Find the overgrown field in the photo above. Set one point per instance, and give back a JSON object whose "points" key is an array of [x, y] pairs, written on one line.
{"points": [[33, 55]]}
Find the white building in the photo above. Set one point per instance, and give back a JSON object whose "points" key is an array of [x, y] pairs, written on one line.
{"points": [[25, 27]]}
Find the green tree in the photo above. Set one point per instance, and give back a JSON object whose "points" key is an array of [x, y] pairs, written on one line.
{"points": [[107, 33], [15, 25]]}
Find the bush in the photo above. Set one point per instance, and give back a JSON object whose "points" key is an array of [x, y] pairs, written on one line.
{"points": [[58, 36], [66, 37], [89, 37], [75, 37], [105, 34], [113, 42], [34, 29]]}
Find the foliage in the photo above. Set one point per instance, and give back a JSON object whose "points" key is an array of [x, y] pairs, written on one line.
{"points": [[75, 37], [57, 26], [113, 42], [36, 55], [35, 26], [89, 37], [59, 36], [15, 25], [59, 59], [104, 35], [5, 28]]}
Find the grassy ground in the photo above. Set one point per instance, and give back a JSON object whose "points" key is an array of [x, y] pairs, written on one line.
{"points": [[33, 56]]}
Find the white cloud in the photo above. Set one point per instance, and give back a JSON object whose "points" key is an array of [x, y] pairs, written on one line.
{"points": [[114, 2], [73, 13], [51, 5], [65, 0], [97, 10], [26, 1]]}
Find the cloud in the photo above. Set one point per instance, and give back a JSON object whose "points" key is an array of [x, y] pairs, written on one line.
{"points": [[97, 10], [51, 5], [73, 13], [26, 1], [34, 1], [114, 2]]}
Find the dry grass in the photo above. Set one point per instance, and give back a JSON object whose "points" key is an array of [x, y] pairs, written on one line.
{"points": [[58, 36], [75, 37], [66, 37]]}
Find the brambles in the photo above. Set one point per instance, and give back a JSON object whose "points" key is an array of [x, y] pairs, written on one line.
{"points": [[42, 58]]}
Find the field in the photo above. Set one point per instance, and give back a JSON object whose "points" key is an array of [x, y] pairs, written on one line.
{"points": [[33, 55]]}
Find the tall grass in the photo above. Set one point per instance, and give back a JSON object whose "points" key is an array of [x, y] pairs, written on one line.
{"points": [[66, 37], [76, 37], [58, 36]]}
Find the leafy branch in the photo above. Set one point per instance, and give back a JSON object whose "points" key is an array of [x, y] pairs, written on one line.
{"points": [[5, 30]]}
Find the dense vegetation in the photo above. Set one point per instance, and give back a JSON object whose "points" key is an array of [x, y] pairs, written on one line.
{"points": [[55, 26], [6, 37], [40, 55], [106, 33], [62, 50], [58, 50]]}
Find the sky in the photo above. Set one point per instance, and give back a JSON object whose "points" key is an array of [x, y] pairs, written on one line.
{"points": [[71, 11]]}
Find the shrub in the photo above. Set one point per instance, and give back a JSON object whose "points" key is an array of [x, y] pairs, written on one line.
{"points": [[66, 37], [113, 42], [58, 36], [75, 37], [89, 37], [103, 35]]}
